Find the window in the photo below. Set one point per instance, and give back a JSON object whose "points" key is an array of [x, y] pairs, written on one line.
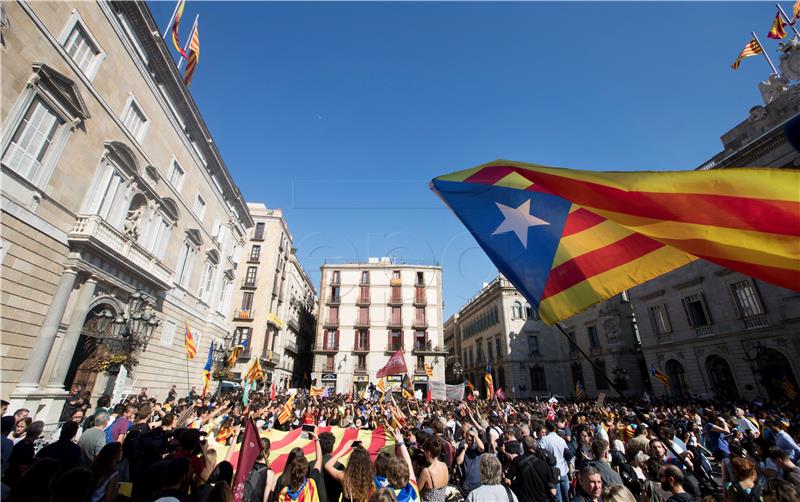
{"points": [[396, 294], [258, 235], [497, 346], [206, 281], [32, 139], [696, 313], [471, 358], [176, 176], [363, 315], [198, 338], [183, 270], [255, 252], [465, 358], [516, 310], [395, 340], [533, 344], [420, 363], [538, 379], [329, 363], [746, 296], [362, 339], [331, 337], [594, 342], [134, 120], [247, 301], [335, 277], [361, 362], [573, 344], [167, 333], [600, 381], [363, 295], [419, 316], [489, 350], [395, 316], [528, 311], [577, 374], [335, 294], [333, 315], [396, 275], [660, 319], [199, 206], [365, 277], [241, 336], [421, 340], [250, 277], [83, 50], [420, 279]]}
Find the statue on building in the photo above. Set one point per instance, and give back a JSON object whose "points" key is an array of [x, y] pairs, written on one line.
{"points": [[131, 225], [611, 328]]}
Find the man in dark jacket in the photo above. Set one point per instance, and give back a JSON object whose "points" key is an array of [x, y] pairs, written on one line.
{"points": [[64, 450], [530, 475]]}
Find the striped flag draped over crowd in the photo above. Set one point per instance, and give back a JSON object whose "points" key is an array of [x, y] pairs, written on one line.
{"points": [[660, 375], [282, 442], [189, 344], [569, 239], [750, 49]]}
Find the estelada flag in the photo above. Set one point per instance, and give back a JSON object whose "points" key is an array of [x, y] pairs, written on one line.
{"points": [[206, 374], [189, 344], [248, 454], [777, 30], [569, 239], [407, 387], [395, 366]]}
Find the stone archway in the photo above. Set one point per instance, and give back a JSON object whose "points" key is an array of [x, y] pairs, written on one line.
{"points": [[677, 376], [721, 378], [775, 370], [80, 371]]}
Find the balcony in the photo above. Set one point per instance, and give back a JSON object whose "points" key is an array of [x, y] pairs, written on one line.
{"points": [[244, 315], [335, 300], [361, 349], [290, 346], [275, 321], [395, 323], [360, 369], [258, 237], [395, 301], [393, 347], [361, 323], [331, 322], [254, 259], [363, 300], [335, 280], [704, 330], [94, 232], [420, 299], [427, 349], [328, 348], [248, 284], [420, 323], [756, 321], [328, 369], [270, 358]]}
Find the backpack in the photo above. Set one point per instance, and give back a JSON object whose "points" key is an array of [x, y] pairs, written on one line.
{"points": [[256, 483]]}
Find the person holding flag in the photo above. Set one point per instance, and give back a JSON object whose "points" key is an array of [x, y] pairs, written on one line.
{"points": [[489, 382]]}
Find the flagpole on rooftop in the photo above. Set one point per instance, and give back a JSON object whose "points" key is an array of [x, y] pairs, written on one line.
{"points": [[586, 356], [189, 40], [169, 25], [764, 52], [788, 21]]}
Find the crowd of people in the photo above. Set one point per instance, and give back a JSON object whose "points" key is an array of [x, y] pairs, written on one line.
{"points": [[184, 449]]}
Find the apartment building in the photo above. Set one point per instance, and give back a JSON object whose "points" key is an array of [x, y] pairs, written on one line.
{"points": [[370, 310], [121, 224]]}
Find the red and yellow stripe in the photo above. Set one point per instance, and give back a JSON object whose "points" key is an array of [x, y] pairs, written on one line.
{"points": [[282, 442], [625, 228], [190, 345], [750, 49], [175, 23], [286, 412], [194, 54]]}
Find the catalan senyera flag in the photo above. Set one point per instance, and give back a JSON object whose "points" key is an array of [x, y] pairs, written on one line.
{"points": [[750, 49], [489, 382], [254, 372], [788, 388], [381, 386], [579, 392], [194, 54], [429, 370], [286, 411], [189, 343], [176, 21], [316, 391], [796, 10], [777, 30], [206, 373], [568, 239], [660, 375]]}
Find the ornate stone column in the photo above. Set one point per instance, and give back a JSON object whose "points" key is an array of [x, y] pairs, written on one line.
{"points": [[81, 309], [29, 380]]}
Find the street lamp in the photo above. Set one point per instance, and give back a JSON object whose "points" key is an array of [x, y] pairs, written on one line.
{"points": [[222, 351], [754, 362], [621, 377], [136, 323]]}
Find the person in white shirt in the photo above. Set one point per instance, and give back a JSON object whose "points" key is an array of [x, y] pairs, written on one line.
{"points": [[556, 445], [744, 424]]}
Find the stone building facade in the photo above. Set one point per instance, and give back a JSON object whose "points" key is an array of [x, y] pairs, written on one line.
{"points": [[112, 187], [716, 332], [370, 310], [275, 301]]}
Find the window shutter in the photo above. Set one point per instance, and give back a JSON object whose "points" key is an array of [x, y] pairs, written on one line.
{"points": [[336, 343], [367, 339]]}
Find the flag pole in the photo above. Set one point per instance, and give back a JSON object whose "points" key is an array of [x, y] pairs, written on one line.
{"points": [[189, 40], [169, 25], [786, 18], [188, 385], [586, 356], [764, 52]]}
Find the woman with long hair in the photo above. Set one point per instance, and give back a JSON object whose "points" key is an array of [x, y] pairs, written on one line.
{"points": [[357, 478], [105, 474], [302, 485]]}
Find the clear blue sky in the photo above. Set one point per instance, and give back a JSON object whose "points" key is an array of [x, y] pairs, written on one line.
{"points": [[340, 113]]}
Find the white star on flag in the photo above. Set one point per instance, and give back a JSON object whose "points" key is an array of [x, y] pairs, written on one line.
{"points": [[518, 220]]}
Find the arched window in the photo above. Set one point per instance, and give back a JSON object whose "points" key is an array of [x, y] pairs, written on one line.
{"points": [[528, 311], [516, 310]]}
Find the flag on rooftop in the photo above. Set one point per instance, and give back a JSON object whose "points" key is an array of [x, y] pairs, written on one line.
{"points": [[777, 30], [175, 22], [750, 49], [568, 239], [194, 54]]}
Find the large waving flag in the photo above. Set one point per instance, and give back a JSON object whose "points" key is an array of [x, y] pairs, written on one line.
{"points": [[207, 369], [777, 31], [254, 372], [660, 375], [189, 343], [568, 239], [176, 21], [750, 49], [489, 382], [194, 54]]}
